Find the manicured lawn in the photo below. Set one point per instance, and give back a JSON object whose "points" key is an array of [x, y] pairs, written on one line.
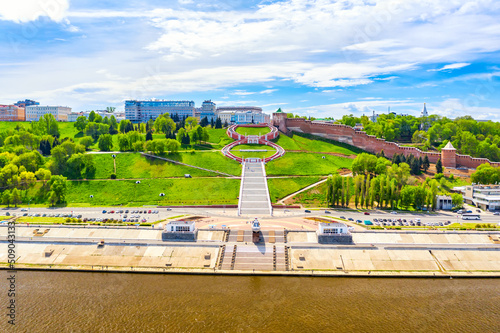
{"points": [[104, 165], [194, 191], [253, 130], [212, 160], [269, 151], [307, 164], [281, 187], [314, 197], [39, 219], [134, 165], [307, 142]]}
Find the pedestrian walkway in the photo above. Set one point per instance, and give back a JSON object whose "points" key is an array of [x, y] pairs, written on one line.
{"points": [[254, 194]]}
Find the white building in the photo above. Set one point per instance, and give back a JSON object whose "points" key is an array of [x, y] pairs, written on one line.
{"points": [[180, 226], [35, 112], [444, 202], [142, 111], [252, 109], [486, 197], [225, 116], [334, 228]]}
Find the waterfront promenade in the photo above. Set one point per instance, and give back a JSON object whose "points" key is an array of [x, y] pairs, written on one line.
{"points": [[279, 252]]}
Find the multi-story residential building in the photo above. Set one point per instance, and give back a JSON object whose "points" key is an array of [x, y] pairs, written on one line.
{"points": [[208, 109], [142, 111], [12, 113], [73, 116], [35, 112], [225, 116], [249, 117], [26, 102], [252, 109], [484, 196]]}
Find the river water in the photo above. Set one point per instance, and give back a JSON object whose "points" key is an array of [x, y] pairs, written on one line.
{"points": [[107, 302]]}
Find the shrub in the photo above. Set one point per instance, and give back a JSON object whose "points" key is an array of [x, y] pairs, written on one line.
{"points": [[113, 176]]}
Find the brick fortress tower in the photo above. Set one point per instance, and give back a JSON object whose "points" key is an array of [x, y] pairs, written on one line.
{"points": [[449, 156], [279, 120]]}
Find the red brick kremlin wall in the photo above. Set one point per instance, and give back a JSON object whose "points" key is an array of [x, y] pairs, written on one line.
{"points": [[372, 144]]}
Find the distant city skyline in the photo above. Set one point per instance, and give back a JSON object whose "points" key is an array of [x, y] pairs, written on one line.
{"points": [[315, 58]]}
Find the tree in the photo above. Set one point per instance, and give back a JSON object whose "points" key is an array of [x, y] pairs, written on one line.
{"points": [[47, 124], [110, 109], [58, 186], [191, 122], [425, 163], [43, 175], [6, 198], [486, 174], [204, 122], [86, 141], [171, 145], [53, 198], [80, 123], [149, 135], [457, 200], [105, 142], [218, 123], [439, 166], [16, 197], [92, 116]]}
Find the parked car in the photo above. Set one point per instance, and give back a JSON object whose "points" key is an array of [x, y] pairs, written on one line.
{"points": [[342, 217], [327, 212], [359, 221], [496, 213], [394, 212], [350, 219], [366, 213], [104, 212], [478, 210], [307, 211]]}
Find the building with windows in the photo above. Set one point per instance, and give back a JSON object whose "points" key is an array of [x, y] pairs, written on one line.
{"points": [[208, 109], [180, 230], [444, 202], [486, 197], [252, 109], [334, 232], [35, 112], [142, 111], [12, 113], [25, 103], [249, 117]]}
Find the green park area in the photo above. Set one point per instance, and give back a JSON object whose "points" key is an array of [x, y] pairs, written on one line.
{"points": [[182, 191], [53, 163], [281, 187], [249, 151], [253, 130], [310, 143]]}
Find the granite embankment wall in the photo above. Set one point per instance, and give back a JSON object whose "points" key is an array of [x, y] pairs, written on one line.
{"points": [[372, 144]]}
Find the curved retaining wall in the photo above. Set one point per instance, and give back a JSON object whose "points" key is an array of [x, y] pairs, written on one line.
{"points": [[263, 140]]}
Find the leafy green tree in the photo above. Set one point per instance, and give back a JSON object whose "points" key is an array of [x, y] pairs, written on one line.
{"points": [[92, 116], [457, 200], [47, 124], [191, 123], [105, 142], [58, 186], [16, 197], [149, 135], [81, 123], [6, 198], [86, 141], [426, 164]]}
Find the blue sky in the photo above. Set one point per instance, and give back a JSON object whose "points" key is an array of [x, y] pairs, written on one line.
{"points": [[311, 57]]}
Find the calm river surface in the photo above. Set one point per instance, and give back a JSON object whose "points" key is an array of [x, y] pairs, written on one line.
{"points": [[105, 302]]}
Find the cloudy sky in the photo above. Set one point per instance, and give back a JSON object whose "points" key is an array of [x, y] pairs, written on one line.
{"points": [[311, 57]]}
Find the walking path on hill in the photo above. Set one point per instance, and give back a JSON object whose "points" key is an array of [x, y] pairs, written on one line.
{"points": [[282, 201], [189, 165], [323, 153]]}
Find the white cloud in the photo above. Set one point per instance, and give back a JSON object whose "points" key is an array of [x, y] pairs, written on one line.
{"points": [[450, 67], [30, 10], [268, 91]]}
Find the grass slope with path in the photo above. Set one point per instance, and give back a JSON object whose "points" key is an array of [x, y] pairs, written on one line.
{"points": [[310, 143], [191, 191], [281, 187], [306, 164]]}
